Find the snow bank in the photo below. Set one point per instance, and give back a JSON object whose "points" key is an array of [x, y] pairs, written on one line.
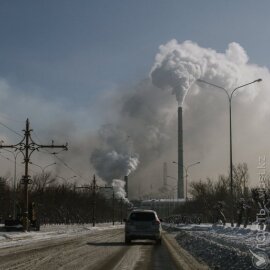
{"points": [[47, 232], [225, 247]]}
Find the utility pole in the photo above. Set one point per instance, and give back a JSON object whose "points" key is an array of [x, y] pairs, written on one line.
{"points": [[121, 217], [27, 146], [113, 207], [94, 187]]}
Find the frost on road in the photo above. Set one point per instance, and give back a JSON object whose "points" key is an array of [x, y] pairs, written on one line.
{"points": [[102, 248], [96, 249]]}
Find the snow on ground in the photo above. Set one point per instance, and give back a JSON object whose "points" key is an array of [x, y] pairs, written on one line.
{"points": [[225, 247], [220, 247], [47, 232]]}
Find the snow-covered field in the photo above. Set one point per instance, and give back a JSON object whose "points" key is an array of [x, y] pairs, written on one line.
{"points": [[47, 232], [225, 247]]}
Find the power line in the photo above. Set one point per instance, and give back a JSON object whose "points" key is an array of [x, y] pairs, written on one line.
{"points": [[46, 150], [36, 136], [67, 166], [10, 119], [59, 159], [6, 157], [13, 161], [10, 129]]}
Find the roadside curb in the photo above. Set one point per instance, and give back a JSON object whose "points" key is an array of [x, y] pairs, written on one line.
{"points": [[182, 259]]}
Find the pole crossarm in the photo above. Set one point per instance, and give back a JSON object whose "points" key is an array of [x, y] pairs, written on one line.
{"points": [[94, 188], [27, 146], [65, 146]]}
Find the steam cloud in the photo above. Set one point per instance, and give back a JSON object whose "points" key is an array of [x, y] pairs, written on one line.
{"points": [[149, 117], [178, 66], [119, 189], [113, 159]]}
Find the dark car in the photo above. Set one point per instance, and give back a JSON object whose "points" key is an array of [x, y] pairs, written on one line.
{"points": [[143, 224]]}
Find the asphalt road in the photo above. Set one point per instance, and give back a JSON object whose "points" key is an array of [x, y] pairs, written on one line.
{"points": [[103, 250]]}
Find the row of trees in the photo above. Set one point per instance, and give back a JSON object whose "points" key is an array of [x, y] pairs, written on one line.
{"points": [[61, 203], [206, 194], [65, 203]]}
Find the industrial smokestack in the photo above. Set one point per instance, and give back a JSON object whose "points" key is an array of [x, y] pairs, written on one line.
{"points": [[126, 185], [165, 174], [180, 191]]}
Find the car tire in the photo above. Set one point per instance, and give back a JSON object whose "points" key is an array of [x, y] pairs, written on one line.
{"points": [[127, 240]]}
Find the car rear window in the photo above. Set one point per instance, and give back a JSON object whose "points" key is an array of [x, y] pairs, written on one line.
{"points": [[142, 216]]}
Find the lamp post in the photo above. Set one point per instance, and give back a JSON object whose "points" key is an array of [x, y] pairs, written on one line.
{"points": [[43, 178], [230, 96], [43, 168], [186, 172]]}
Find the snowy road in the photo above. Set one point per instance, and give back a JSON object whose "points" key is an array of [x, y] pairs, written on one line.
{"points": [[100, 250]]}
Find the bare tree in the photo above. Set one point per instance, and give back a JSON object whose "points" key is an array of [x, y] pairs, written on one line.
{"points": [[42, 181]]}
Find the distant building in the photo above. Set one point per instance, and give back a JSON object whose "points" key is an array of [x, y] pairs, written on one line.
{"points": [[164, 207]]}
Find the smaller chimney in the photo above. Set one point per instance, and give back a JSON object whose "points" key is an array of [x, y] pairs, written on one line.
{"points": [[165, 174], [126, 185]]}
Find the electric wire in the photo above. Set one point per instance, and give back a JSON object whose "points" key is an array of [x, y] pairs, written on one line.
{"points": [[5, 157], [58, 158], [13, 161], [11, 119], [67, 166], [12, 130]]}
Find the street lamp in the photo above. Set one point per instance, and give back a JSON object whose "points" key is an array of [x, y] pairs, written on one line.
{"points": [[230, 96], [44, 178], [186, 171], [42, 168]]}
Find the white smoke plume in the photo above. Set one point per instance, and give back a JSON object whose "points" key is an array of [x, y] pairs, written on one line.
{"points": [[144, 120], [148, 117], [178, 66], [119, 189], [113, 159]]}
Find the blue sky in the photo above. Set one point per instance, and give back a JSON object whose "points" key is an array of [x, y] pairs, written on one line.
{"points": [[59, 59], [74, 50]]}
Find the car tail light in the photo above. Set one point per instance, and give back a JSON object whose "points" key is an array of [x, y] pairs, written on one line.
{"points": [[156, 222]]}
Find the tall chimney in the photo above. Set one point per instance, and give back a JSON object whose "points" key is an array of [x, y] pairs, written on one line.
{"points": [[126, 185], [180, 191], [165, 174]]}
